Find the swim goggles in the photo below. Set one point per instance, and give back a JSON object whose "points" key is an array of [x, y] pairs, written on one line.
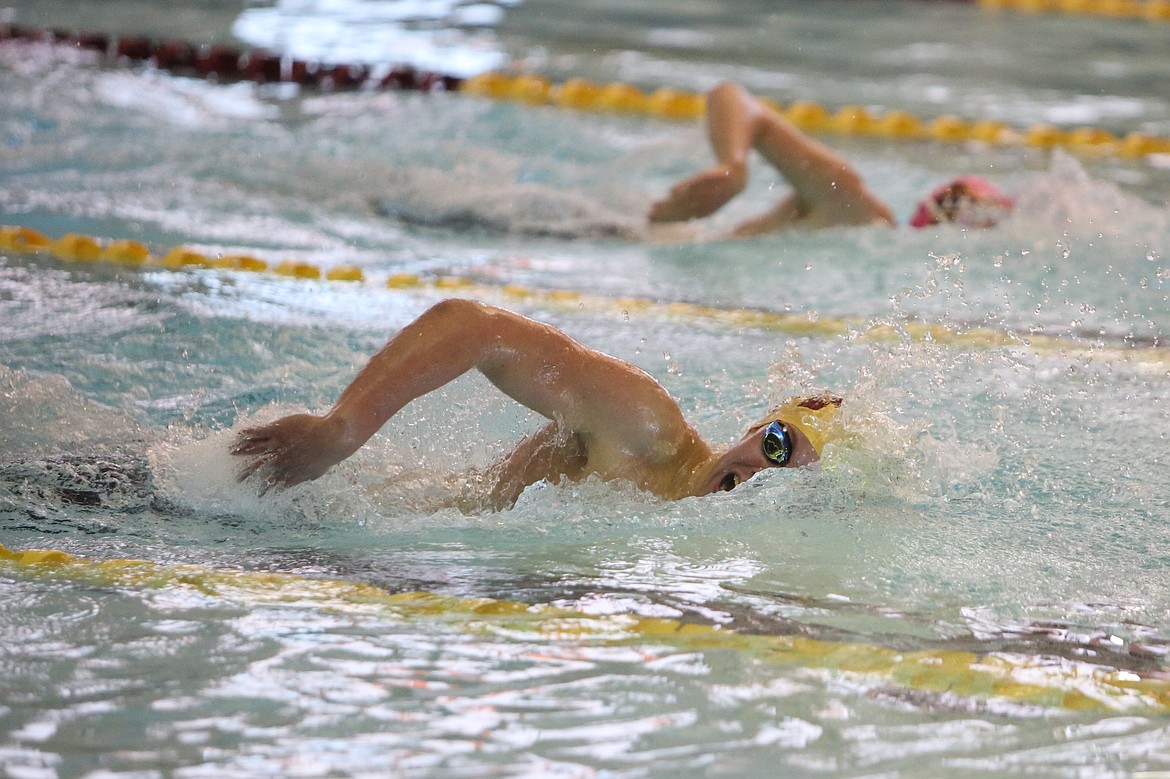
{"points": [[777, 443]]}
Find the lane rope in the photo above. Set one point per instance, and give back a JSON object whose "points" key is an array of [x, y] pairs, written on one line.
{"points": [[226, 64], [1032, 680], [84, 249], [812, 117], [1141, 10]]}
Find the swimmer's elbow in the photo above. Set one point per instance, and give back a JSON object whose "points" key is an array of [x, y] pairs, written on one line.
{"points": [[458, 309], [473, 333], [468, 321]]}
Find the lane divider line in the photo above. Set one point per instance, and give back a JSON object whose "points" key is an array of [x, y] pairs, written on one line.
{"points": [[219, 62], [812, 117], [1140, 10], [85, 249], [228, 64], [1031, 680]]}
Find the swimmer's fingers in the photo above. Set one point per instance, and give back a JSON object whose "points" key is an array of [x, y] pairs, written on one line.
{"points": [[289, 451], [275, 436], [701, 195], [249, 468], [282, 452], [259, 440], [271, 473], [247, 443], [258, 447]]}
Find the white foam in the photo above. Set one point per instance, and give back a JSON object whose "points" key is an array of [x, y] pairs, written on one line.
{"points": [[182, 101], [393, 31]]}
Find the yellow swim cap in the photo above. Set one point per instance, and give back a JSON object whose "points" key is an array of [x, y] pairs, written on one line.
{"points": [[815, 416]]}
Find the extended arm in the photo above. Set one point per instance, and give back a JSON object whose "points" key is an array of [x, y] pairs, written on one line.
{"points": [[591, 394]]}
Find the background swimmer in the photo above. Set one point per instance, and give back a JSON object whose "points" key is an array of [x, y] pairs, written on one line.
{"points": [[827, 190], [607, 417]]}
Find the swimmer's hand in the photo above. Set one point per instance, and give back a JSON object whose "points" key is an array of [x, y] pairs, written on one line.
{"points": [[291, 450], [701, 195]]}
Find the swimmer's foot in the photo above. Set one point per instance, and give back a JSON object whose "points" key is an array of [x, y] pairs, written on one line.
{"points": [[701, 195]]}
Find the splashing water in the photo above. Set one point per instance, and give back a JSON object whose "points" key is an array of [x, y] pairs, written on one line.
{"points": [[970, 585]]}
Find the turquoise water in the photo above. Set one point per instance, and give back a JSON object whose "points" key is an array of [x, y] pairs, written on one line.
{"points": [[1009, 501]]}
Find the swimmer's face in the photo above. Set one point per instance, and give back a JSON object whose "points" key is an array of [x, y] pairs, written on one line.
{"points": [[747, 458], [958, 204], [967, 202]]}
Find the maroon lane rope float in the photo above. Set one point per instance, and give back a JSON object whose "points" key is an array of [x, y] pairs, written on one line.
{"points": [[225, 63]]}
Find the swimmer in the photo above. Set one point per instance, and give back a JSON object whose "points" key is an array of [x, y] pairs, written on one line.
{"points": [[826, 190], [607, 417]]}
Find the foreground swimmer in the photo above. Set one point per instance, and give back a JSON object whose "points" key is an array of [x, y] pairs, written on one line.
{"points": [[827, 190], [608, 418]]}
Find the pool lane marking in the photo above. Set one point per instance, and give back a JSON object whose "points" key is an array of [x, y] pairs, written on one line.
{"points": [[79, 248], [1031, 680], [811, 117], [226, 64], [1138, 10]]}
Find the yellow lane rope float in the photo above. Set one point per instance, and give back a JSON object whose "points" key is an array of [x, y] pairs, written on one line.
{"points": [[226, 64], [669, 103], [1023, 679], [1147, 10], [76, 247]]}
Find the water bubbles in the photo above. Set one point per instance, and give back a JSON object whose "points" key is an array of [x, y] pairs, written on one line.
{"points": [[672, 365], [945, 261]]}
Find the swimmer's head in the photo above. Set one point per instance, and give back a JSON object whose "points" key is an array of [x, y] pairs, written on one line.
{"points": [[968, 201], [792, 435], [815, 416]]}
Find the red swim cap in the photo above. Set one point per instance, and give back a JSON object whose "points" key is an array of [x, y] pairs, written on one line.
{"points": [[969, 201]]}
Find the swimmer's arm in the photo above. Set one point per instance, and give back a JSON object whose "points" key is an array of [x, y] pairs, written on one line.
{"points": [[590, 393], [814, 170], [786, 213], [550, 453], [731, 128], [822, 180]]}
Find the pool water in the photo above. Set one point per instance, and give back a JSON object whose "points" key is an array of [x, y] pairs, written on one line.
{"points": [[975, 584]]}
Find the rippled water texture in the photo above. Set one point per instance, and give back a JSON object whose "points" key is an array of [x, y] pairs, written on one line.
{"points": [[975, 584]]}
